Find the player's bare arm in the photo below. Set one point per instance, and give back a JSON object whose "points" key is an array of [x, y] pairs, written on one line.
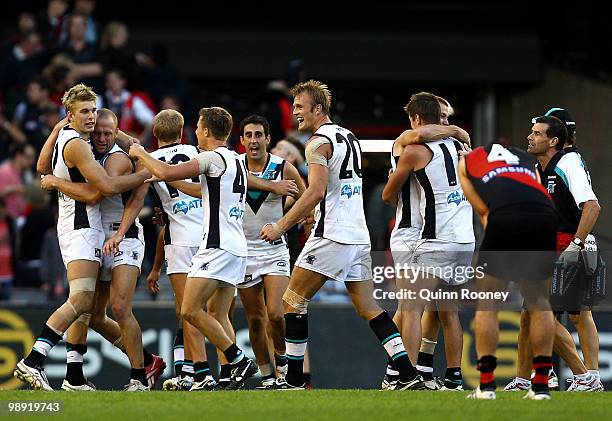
{"points": [[158, 261], [291, 173], [130, 212], [408, 161], [471, 195], [162, 170], [280, 187], [81, 192], [43, 165], [318, 176], [189, 188], [78, 153], [432, 132]]}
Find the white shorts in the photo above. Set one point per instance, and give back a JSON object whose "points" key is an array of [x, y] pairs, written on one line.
{"points": [[337, 261], [131, 252], [178, 258], [447, 261], [219, 265], [81, 244], [259, 266]]}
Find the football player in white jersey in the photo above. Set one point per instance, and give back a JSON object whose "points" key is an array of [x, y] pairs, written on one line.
{"points": [[121, 264], [339, 244], [408, 223], [268, 267], [444, 242], [80, 230], [220, 262], [178, 242]]}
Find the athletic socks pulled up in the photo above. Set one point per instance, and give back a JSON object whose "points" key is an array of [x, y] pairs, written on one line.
{"points": [[486, 366], [178, 350], [74, 363], [388, 335], [542, 366], [187, 369], [201, 369], [233, 354], [453, 378], [425, 365], [296, 340], [47, 339]]}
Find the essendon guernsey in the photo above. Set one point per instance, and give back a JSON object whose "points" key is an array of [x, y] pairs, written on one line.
{"points": [[505, 176]]}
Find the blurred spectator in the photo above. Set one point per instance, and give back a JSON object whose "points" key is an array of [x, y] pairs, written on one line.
{"points": [[21, 64], [83, 53], [52, 272], [277, 108], [7, 245], [84, 8], [26, 23], [50, 21], [292, 150], [12, 173], [135, 110], [28, 118], [56, 74], [159, 77], [114, 52], [38, 220]]}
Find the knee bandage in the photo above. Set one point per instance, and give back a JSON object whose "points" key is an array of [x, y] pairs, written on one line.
{"points": [[427, 346], [296, 301], [82, 285]]}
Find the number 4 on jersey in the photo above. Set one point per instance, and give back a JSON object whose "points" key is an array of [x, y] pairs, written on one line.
{"points": [[499, 153]]}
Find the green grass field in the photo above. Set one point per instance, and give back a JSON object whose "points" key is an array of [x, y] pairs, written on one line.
{"points": [[314, 404]]}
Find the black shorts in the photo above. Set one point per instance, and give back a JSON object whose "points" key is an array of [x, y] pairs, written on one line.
{"points": [[519, 243]]}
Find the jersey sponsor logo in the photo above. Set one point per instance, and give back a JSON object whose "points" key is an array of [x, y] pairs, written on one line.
{"points": [[236, 212], [455, 197], [551, 182], [350, 190], [505, 170], [185, 207]]}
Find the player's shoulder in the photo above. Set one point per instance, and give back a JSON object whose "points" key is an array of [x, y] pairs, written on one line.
{"points": [[570, 161], [68, 133]]}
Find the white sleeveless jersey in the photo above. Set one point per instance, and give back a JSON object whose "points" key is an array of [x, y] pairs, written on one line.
{"points": [[182, 213], [72, 215], [112, 207], [263, 207], [339, 216], [446, 213], [408, 221], [223, 200]]}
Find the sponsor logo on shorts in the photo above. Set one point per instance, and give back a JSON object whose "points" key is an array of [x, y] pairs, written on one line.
{"points": [[135, 255], [350, 190], [281, 263], [310, 259], [98, 252], [184, 207], [236, 212], [248, 278], [455, 197], [204, 266], [118, 253]]}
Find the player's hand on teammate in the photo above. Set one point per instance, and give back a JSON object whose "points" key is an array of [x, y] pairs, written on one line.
{"points": [[47, 182], [61, 123], [271, 232], [308, 219], [136, 151], [157, 217], [112, 244], [285, 188], [153, 280]]}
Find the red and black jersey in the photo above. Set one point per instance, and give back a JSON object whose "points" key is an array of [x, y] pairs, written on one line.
{"points": [[505, 176]]}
